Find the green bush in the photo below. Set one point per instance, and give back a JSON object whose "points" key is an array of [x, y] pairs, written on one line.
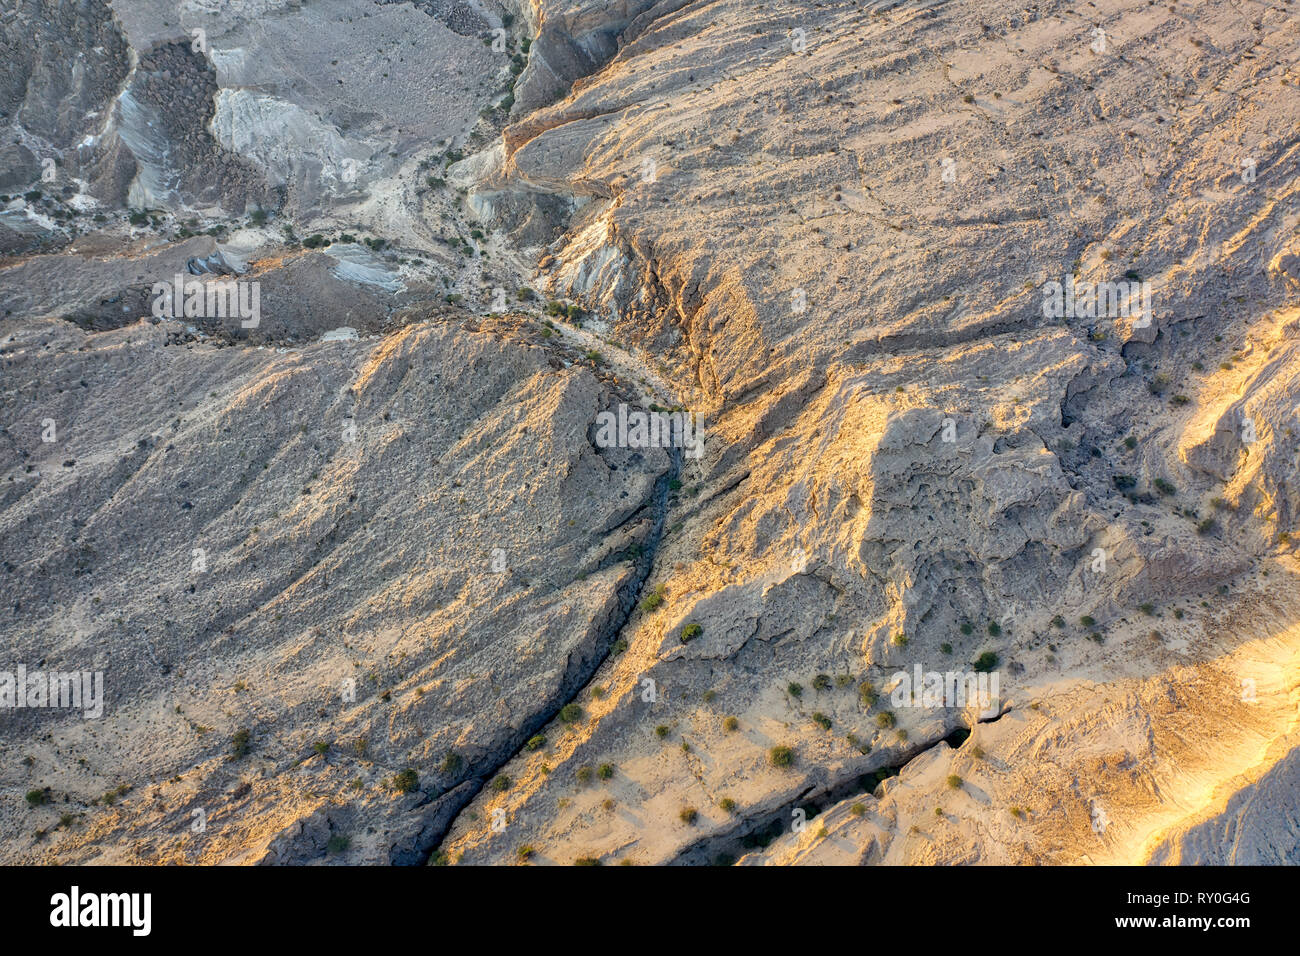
{"points": [[407, 781], [781, 756], [985, 662], [654, 599], [536, 742], [451, 762], [338, 843], [570, 713], [241, 742], [690, 632]]}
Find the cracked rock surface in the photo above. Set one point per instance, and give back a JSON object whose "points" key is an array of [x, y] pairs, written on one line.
{"points": [[364, 586]]}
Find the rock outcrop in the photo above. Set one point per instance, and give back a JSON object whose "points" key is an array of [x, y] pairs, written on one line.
{"points": [[987, 319]]}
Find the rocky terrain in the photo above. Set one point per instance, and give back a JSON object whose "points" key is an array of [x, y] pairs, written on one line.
{"points": [[366, 586]]}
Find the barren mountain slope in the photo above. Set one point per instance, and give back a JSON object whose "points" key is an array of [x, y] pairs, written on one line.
{"points": [[828, 230], [779, 225]]}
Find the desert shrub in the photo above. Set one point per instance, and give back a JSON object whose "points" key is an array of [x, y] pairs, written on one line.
{"points": [[653, 600], [452, 762], [866, 693], [781, 756], [241, 742], [338, 843], [954, 781], [406, 781], [690, 632], [571, 713]]}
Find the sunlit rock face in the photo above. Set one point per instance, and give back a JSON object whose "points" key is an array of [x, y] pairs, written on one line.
{"points": [[986, 319]]}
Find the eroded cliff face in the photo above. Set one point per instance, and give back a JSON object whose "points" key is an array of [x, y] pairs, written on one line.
{"points": [[828, 231], [834, 228]]}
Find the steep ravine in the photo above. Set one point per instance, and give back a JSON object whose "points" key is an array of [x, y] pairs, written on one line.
{"points": [[440, 812], [757, 829]]}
